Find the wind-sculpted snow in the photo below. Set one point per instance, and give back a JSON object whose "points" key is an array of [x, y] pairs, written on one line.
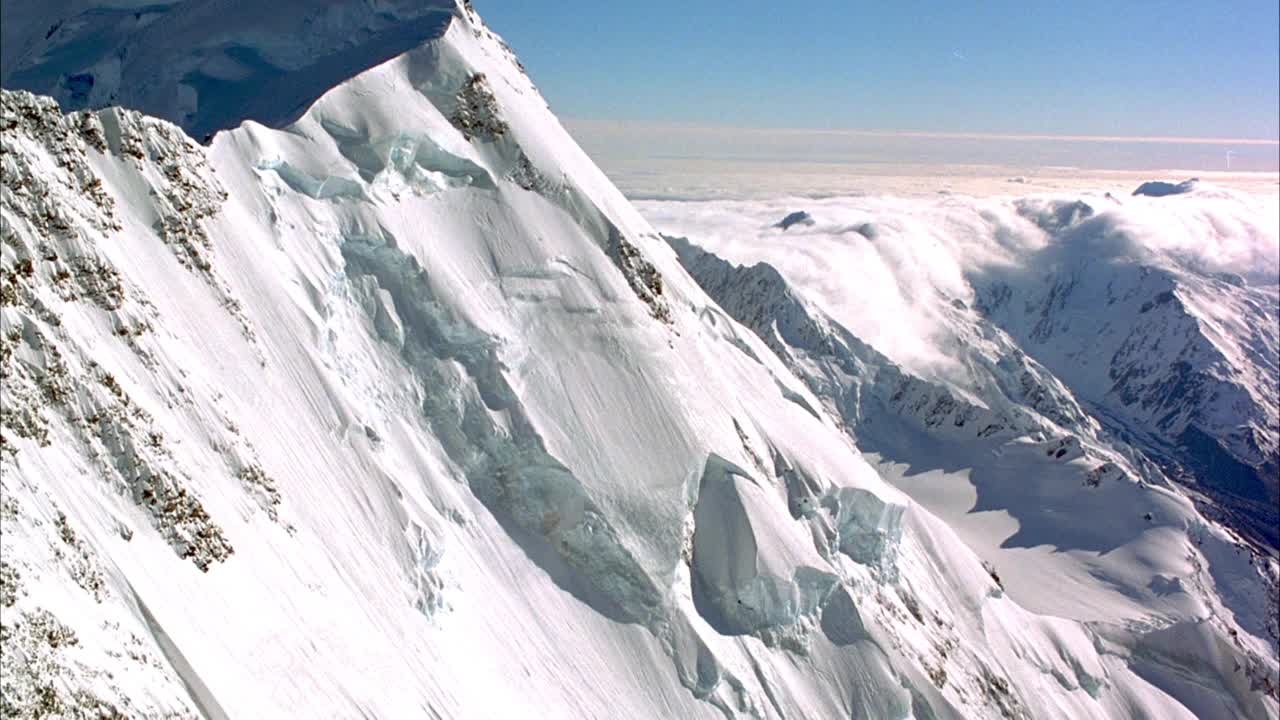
{"points": [[475, 434]]}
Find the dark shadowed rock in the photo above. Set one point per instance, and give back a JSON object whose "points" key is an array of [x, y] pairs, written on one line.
{"points": [[1159, 188], [798, 217]]}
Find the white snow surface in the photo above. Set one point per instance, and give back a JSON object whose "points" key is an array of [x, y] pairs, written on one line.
{"points": [[402, 410]]}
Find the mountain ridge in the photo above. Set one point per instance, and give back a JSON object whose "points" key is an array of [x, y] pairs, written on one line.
{"points": [[405, 410]]}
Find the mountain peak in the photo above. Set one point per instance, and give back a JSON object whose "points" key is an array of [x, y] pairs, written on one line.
{"points": [[386, 403]]}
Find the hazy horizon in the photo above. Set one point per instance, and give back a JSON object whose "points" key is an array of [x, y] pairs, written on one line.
{"points": [[687, 162], [1085, 69]]}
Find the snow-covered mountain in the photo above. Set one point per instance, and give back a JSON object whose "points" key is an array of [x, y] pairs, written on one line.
{"points": [[1182, 359], [1160, 317], [387, 404], [1023, 448]]}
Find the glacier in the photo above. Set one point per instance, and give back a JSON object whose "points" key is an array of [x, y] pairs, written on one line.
{"points": [[373, 397]]}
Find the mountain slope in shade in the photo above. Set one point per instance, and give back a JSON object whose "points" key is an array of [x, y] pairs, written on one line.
{"points": [[1044, 465], [1159, 315], [1180, 358], [206, 66], [402, 410]]}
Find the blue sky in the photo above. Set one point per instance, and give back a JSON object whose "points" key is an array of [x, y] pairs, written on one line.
{"points": [[1182, 69]]}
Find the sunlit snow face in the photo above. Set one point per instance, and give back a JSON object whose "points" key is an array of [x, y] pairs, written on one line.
{"points": [[892, 268]]}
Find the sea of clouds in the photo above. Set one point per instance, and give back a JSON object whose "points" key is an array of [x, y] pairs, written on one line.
{"points": [[888, 266]]}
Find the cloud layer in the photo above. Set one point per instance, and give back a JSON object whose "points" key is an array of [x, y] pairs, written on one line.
{"points": [[889, 268]]}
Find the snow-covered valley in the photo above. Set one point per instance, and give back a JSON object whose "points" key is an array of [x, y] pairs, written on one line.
{"points": [[394, 406]]}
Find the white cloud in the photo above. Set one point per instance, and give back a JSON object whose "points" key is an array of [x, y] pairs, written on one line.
{"points": [[893, 290]]}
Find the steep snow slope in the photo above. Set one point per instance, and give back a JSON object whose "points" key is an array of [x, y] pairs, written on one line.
{"points": [[402, 410]]}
